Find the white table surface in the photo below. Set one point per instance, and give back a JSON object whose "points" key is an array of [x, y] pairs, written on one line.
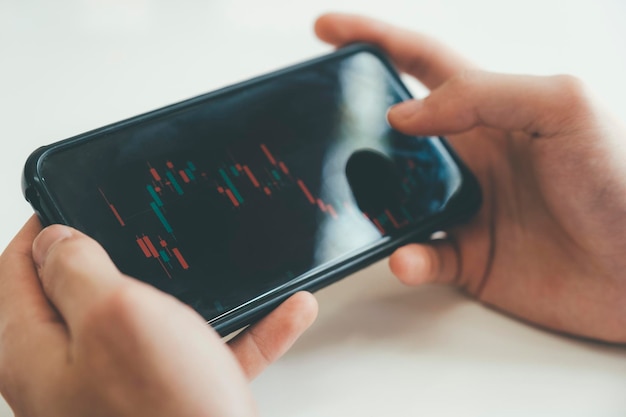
{"points": [[378, 348]]}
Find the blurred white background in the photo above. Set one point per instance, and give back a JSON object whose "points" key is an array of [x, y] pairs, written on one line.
{"points": [[378, 348]]}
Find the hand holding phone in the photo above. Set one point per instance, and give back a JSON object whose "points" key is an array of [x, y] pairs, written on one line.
{"points": [[236, 199], [548, 154], [78, 337]]}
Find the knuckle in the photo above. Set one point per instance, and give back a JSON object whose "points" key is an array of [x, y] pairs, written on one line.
{"points": [[65, 260], [465, 86], [572, 90], [115, 310], [461, 96], [467, 79], [68, 256], [574, 107]]}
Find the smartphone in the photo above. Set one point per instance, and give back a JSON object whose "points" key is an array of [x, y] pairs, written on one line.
{"points": [[236, 199]]}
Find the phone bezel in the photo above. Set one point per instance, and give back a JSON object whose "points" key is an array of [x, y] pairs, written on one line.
{"points": [[462, 205]]}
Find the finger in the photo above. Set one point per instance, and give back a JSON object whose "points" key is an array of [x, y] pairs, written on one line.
{"points": [[75, 271], [31, 331], [266, 341], [435, 262], [539, 106], [21, 296], [427, 59]]}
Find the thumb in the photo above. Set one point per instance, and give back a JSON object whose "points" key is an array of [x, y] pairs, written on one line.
{"points": [[75, 271], [538, 105]]}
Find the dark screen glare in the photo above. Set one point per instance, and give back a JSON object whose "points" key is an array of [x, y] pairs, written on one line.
{"points": [[228, 197]]}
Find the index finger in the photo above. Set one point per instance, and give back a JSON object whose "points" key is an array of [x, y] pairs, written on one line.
{"points": [[425, 58], [266, 341]]}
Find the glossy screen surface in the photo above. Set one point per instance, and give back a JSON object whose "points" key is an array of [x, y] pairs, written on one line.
{"points": [[235, 194]]}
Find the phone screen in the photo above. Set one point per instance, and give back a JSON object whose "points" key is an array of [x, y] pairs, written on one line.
{"points": [[228, 197]]}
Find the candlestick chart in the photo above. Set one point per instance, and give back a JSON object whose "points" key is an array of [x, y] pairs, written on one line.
{"points": [[239, 184]]}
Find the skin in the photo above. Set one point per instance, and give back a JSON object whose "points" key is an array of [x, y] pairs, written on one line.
{"points": [[78, 338], [548, 245]]}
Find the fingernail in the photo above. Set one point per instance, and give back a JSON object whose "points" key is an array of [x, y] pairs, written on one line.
{"points": [[405, 109], [46, 239]]}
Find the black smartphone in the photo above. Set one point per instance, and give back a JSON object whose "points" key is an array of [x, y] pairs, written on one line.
{"points": [[236, 199]]}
